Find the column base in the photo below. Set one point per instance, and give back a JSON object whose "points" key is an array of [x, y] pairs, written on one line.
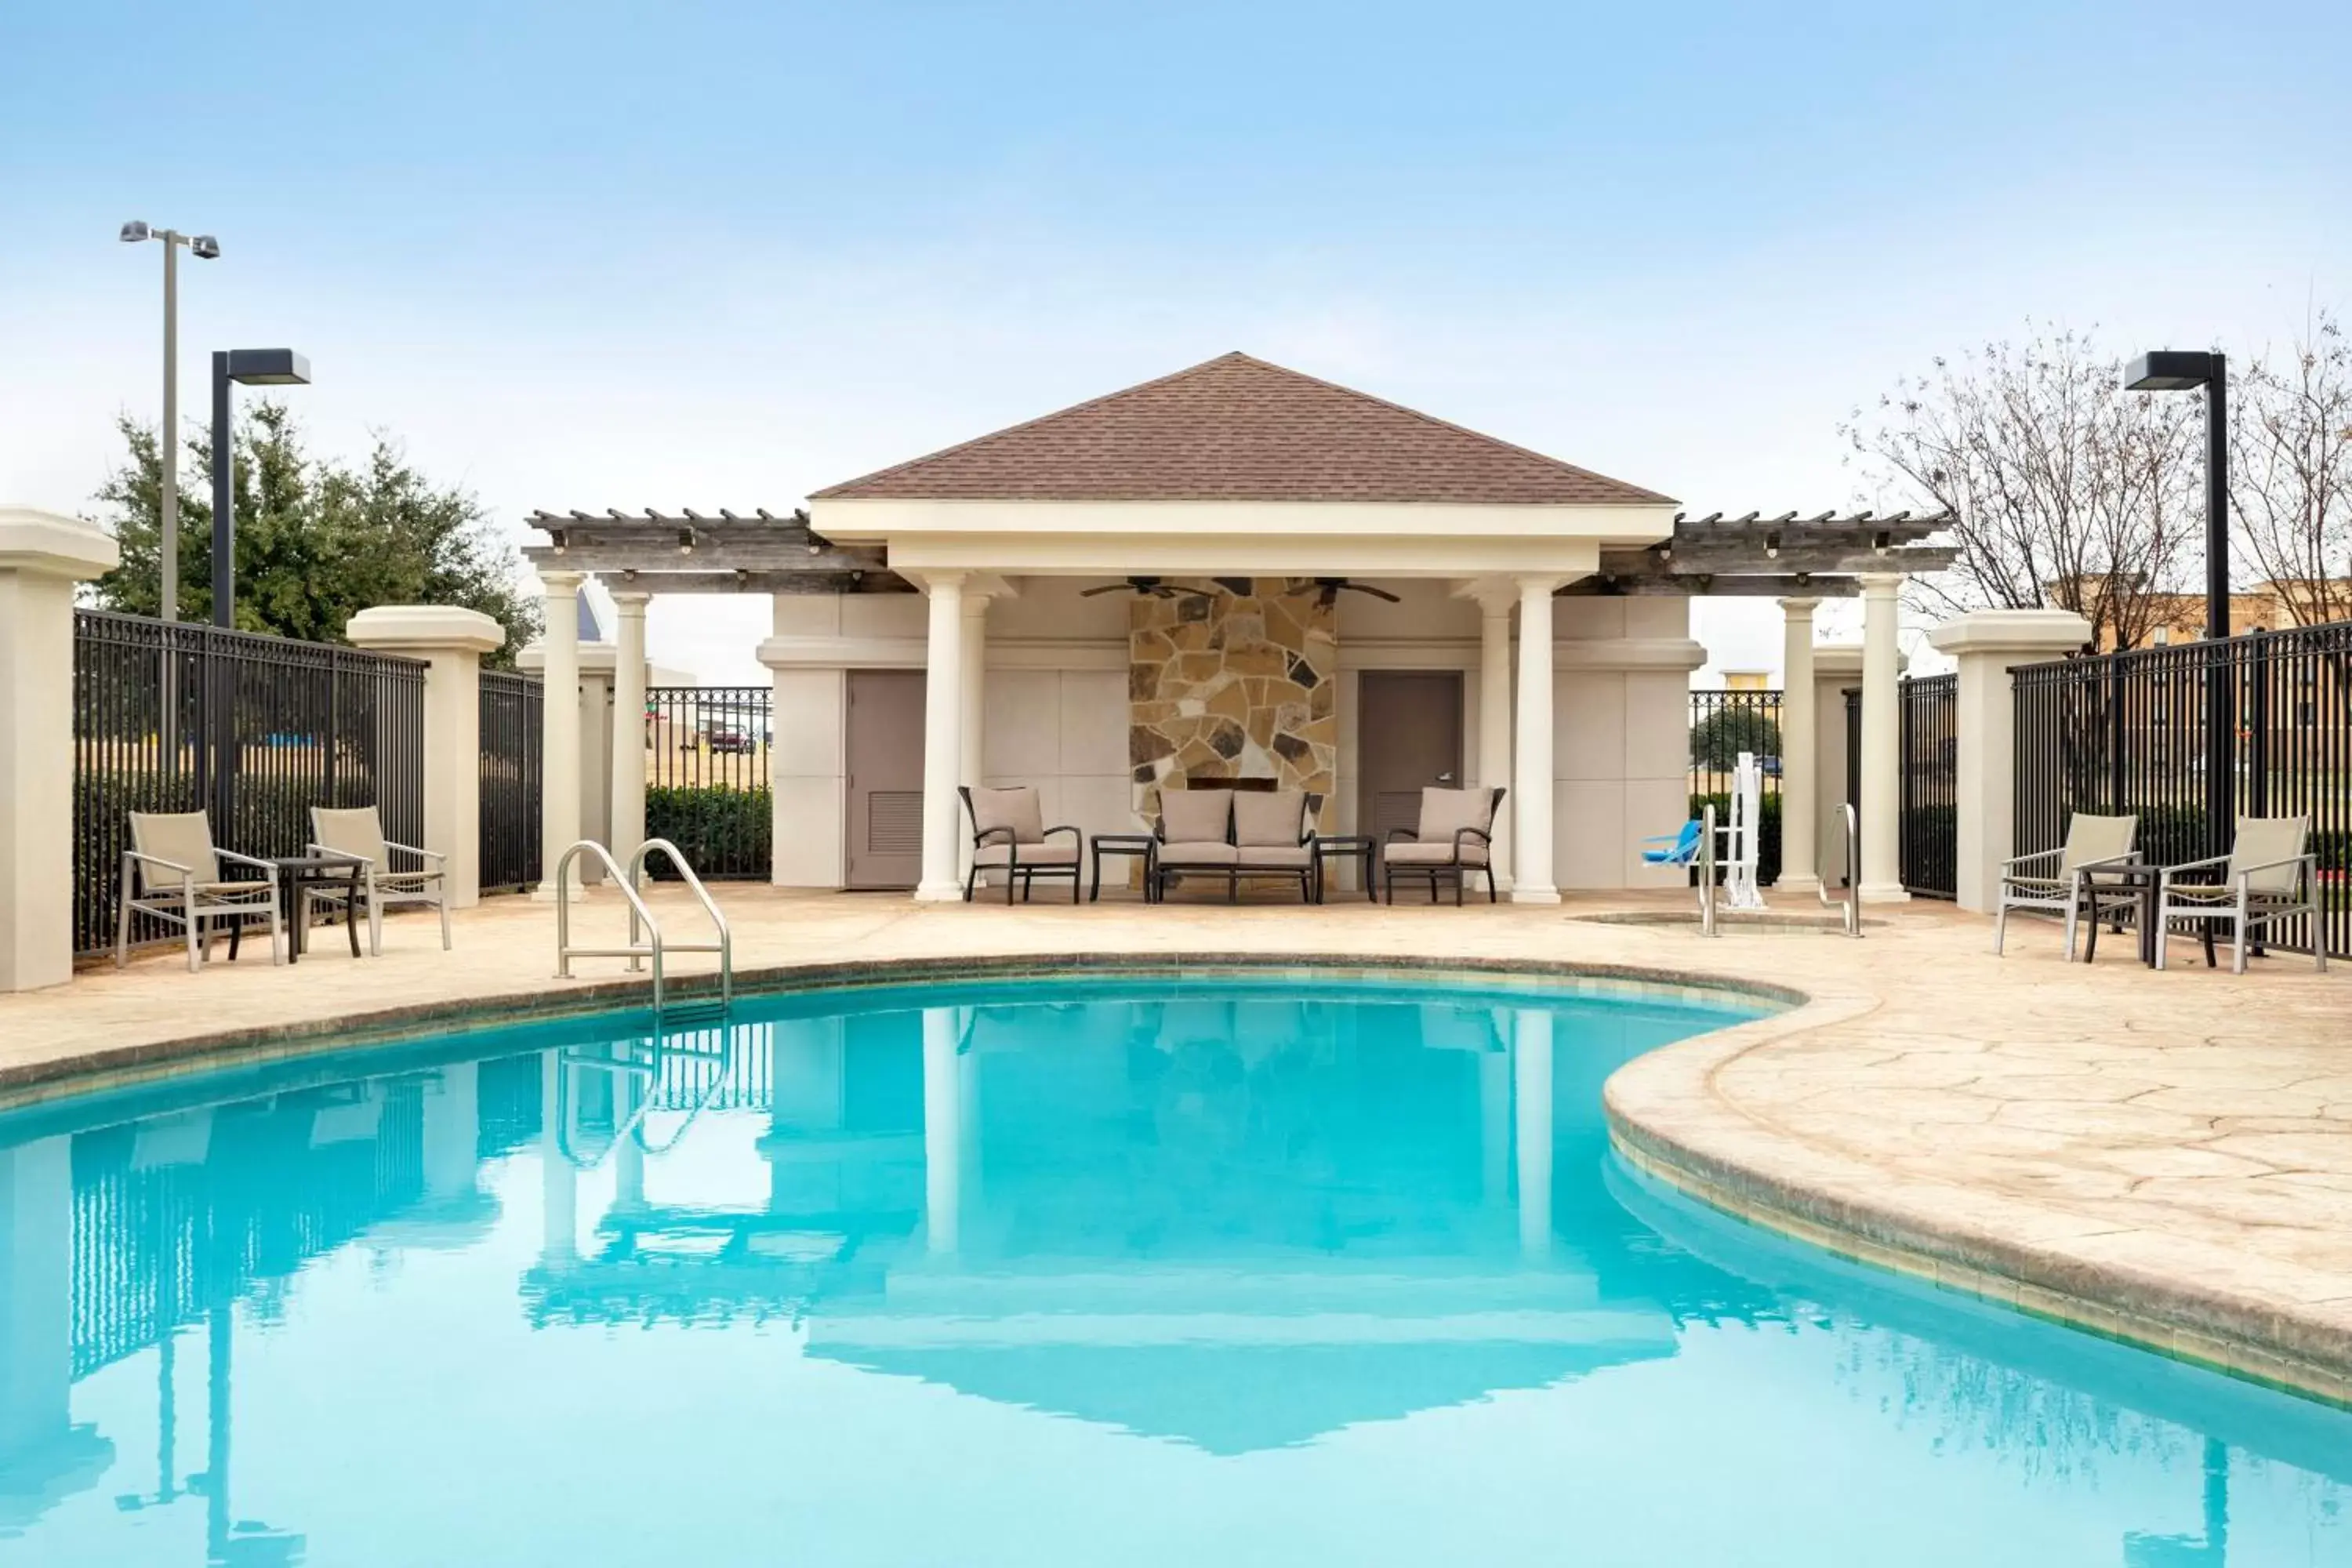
{"points": [[1882, 893], [1530, 893], [939, 893], [1792, 882], [545, 893]]}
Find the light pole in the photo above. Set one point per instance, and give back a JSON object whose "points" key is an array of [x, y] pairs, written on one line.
{"points": [[2183, 370], [205, 248], [252, 367]]}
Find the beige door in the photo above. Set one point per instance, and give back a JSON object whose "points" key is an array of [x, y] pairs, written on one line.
{"points": [[1408, 736], [886, 778]]}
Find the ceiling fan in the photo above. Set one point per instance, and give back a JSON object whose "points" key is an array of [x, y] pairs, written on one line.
{"points": [[1146, 587], [1327, 590]]}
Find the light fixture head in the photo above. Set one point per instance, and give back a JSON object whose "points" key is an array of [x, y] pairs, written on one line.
{"points": [[556, 538], [205, 248], [1771, 547], [268, 367], [1881, 541], [2170, 370], [134, 231], [685, 542]]}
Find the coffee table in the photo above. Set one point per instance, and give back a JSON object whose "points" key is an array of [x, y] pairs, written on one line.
{"points": [[1136, 844], [296, 872]]}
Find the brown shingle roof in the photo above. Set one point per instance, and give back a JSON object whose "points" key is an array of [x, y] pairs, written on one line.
{"points": [[1239, 429]]}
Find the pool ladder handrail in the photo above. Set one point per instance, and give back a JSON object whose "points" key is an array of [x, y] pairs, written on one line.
{"points": [[1850, 907], [646, 940]]}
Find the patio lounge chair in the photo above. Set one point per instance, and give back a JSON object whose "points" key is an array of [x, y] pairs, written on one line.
{"points": [[1454, 840], [2270, 874], [173, 872], [1196, 832], [356, 833], [1672, 849], [1272, 838], [1009, 835], [2056, 879]]}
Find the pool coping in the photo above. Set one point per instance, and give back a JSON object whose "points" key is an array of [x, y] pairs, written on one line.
{"points": [[1667, 1119], [1665, 1114], [112, 1066]]}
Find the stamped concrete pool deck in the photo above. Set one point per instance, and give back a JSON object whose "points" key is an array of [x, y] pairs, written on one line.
{"points": [[2161, 1157]]}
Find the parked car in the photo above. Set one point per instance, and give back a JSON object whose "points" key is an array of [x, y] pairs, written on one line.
{"points": [[731, 740]]}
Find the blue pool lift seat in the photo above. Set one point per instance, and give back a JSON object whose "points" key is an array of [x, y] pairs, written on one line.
{"points": [[1672, 849]]}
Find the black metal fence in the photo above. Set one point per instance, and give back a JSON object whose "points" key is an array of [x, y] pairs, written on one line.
{"points": [[1724, 723], [252, 729], [513, 716], [1931, 782], [707, 787], [2126, 733]]}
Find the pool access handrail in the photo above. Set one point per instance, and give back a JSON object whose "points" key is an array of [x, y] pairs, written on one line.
{"points": [[646, 941], [1850, 907]]}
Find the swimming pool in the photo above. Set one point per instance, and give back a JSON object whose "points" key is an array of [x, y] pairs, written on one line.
{"points": [[1128, 1269]]}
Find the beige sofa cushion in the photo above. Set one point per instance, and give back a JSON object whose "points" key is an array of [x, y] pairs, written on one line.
{"points": [[1199, 852], [1281, 857], [1271, 818], [1196, 816]]}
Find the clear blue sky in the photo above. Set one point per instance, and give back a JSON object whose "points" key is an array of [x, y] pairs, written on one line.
{"points": [[720, 254]]}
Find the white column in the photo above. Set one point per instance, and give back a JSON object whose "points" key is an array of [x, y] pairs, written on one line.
{"points": [[942, 738], [451, 640], [629, 724], [1495, 601], [971, 696], [942, 1131], [1800, 781], [1531, 805], [1531, 1097], [42, 555], [1989, 643], [1881, 743], [559, 749]]}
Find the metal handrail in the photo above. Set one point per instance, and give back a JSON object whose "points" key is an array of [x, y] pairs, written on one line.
{"points": [[724, 947], [1849, 908], [1706, 869]]}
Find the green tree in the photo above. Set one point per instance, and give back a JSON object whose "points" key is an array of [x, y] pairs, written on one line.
{"points": [[317, 541], [1717, 739]]}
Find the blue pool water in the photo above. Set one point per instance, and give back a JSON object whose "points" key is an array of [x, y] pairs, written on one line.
{"points": [[1107, 1271]]}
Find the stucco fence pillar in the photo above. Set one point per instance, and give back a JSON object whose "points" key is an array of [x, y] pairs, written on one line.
{"points": [[1989, 643], [451, 641], [42, 556]]}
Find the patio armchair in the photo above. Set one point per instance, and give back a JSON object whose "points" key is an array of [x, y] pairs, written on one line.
{"points": [[1274, 837], [173, 872], [356, 833], [2060, 881], [1195, 831], [1455, 839], [1009, 835], [2269, 875]]}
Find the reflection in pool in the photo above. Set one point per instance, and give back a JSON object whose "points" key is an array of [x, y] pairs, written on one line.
{"points": [[1088, 1271]]}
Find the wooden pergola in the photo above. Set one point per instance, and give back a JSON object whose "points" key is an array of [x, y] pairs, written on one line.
{"points": [[1749, 556]]}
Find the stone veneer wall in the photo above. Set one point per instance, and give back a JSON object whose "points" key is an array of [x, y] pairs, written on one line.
{"points": [[1236, 680]]}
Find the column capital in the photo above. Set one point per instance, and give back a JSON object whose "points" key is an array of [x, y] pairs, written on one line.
{"points": [[2026, 635], [424, 628], [1542, 584], [1495, 597], [630, 600], [47, 545], [934, 579], [1880, 584], [1799, 609], [560, 581]]}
